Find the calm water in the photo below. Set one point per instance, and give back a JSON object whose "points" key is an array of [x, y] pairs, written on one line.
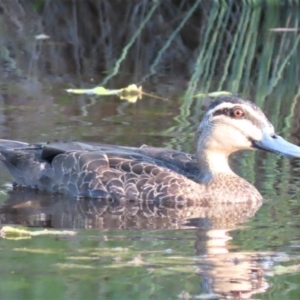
{"points": [[140, 251]]}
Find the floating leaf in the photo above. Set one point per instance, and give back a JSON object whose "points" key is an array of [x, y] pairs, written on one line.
{"points": [[74, 266], [284, 29], [42, 36], [131, 93], [35, 250], [17, 233], [94, 91], [213, 94]]}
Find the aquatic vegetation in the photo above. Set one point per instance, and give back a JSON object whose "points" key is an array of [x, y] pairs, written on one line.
{"points": [[131, 93], [15, 233]]}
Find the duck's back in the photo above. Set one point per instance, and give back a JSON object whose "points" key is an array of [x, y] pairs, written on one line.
{"points": [[104, 171]]}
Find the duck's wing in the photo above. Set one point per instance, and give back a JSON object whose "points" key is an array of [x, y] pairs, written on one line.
{"points": [[178, 161], [181, 162], [120, 174], [95, 171]]}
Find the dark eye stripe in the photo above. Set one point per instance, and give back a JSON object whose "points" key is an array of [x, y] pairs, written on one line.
{"points": [[223, 111]]}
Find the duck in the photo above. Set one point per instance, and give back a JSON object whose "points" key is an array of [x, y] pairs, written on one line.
{"points": [[121, 173]]}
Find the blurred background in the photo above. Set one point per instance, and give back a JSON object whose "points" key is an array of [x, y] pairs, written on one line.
{"points": [[174, 49]]}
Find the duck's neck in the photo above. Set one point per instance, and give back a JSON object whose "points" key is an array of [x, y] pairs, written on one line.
{"points": [[212, 163]]}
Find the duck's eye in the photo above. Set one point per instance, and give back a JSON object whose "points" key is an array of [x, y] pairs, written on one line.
{"points": [[237, 113]]}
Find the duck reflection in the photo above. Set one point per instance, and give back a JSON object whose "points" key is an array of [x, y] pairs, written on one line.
{"points": [[38, 209], [223, 272]]}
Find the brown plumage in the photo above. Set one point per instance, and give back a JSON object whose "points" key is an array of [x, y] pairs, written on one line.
{"points": [[146, 173]]}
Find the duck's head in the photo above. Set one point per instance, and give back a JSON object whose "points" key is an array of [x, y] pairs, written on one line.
{"points": [[231, 124]]}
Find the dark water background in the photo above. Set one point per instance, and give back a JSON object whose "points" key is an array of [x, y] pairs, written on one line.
{"points": [[174, 49]]}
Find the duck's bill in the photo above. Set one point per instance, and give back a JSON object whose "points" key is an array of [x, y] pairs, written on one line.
{"points": [[277, 144]]}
